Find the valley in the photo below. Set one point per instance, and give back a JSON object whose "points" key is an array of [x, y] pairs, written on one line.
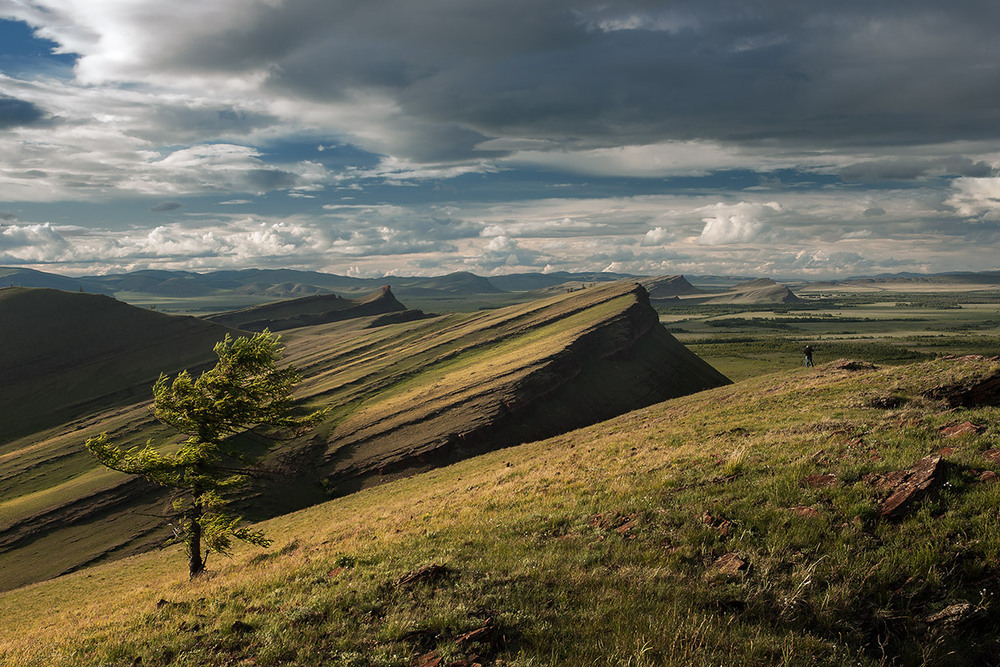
{"points": [[561, 473]]}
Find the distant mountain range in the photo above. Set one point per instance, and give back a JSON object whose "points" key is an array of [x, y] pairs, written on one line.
{"points": [[258, 286]]}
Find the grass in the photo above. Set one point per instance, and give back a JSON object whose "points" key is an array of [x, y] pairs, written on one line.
{"points": [[399, 392], [598, 547]]}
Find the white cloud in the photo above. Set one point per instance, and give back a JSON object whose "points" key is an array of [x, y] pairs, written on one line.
{"points": [[671, 158], [736, 223], [974, 197], [657, 236]]}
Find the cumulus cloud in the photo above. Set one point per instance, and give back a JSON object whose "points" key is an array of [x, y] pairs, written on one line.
{"points": [[657, 236], [736, 223], [974, 197]]}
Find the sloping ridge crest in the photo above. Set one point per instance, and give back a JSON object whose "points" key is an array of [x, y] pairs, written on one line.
{"points": [[608, 365]]}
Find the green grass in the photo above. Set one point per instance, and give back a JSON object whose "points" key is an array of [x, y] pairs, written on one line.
{"points": [[598, 547], [397, 392]]}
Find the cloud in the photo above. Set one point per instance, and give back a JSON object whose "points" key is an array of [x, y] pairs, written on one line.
{"points": [[166, 206], [736, 223], [439, 82], [902, 169], [975, 197], [16, 113], [656, 236]]}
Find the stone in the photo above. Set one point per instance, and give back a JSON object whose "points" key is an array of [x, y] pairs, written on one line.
{"points": [[913, 484], [728, 565], [820, 481], [432, 659], [804, 511], [965, 428], [954, 614]]}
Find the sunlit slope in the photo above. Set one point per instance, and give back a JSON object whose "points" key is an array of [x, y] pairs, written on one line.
{"points": [[404, 397], [742, 525], [66, 354], [459, 385]]}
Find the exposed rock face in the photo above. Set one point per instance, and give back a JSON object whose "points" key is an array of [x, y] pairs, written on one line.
{"points": [[307, 311], [909, 485], [984, 392], [615, 357]]}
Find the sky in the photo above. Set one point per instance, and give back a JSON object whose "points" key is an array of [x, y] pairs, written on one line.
{"points": [[771, 138]]}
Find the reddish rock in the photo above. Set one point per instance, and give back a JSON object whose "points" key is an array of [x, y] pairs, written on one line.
{"points": [[946, 451], [432, 659], [804, 511], [914, 483], [992, 455], [965, 428], [820, 481], [728, 565], [720, 523], [476, 635], [988, 476]]}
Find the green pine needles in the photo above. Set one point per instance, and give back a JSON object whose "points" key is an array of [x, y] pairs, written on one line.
{"points": [[246, 388]]}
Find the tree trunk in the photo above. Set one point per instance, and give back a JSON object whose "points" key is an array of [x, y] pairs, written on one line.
{"points": [[196, 564]]}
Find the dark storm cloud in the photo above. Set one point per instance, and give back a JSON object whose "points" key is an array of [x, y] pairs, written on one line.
{"points": [[594, 73], [17, 113]]}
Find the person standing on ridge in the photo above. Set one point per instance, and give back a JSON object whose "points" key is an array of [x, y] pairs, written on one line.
{"points": [[809, 356]]}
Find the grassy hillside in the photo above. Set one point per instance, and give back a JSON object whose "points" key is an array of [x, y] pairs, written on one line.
{"points": [[406, 397], [742, 525], [68, 354], [410, 396]]}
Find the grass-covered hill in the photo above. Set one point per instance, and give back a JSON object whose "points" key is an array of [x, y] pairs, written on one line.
{"points": [[843, 515], [761, 290], [404, 397], [308, 310], [666, 287], [67, 354], [413, 396]]}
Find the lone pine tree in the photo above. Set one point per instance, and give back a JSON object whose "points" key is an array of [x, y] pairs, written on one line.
{"points": [[246, 388]]}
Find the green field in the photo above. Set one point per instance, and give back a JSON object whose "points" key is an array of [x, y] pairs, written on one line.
{"points": [[685, 533], [880, 327]]}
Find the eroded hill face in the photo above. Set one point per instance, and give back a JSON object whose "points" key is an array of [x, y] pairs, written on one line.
{"points": [[463, 384], [404, 398]]}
